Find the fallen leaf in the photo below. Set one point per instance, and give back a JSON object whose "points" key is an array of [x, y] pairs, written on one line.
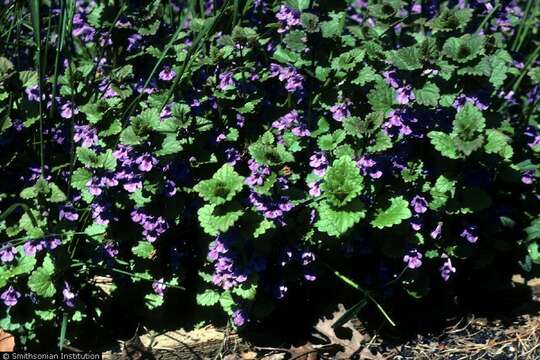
{"points": [[249, 355], [7, 341], [304, 352], [351, 344]]}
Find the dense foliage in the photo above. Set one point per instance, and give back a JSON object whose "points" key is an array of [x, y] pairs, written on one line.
{"points": [[257, 144]]}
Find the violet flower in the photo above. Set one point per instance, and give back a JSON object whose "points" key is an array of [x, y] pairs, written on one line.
{"points": [[167, 74], [7, 254], [447, 269], [159, 287], [413, 259], [10, 296], [68, 295]]}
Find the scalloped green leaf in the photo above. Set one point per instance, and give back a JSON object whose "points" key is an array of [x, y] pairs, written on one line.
{"points": [[222, 187], [342, 182], [394, 214], [40, 281], [337, 221], [214, 224]]}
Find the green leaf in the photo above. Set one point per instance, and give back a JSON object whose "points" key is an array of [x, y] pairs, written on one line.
{"points": [[365, 75], [143, 249], [208, 298], [223, 186], [441, 191], [246, 292], [329, 142], [498, 143], [333, 27], [266, 152], [464, 48], [88, 157], [444, 144], [336, 222], [393, 215], [40, 281], [46, 315], [25, 265], [129, 137], [56, 194], [153, 301], [468, 122], [452, 19], [214, 223], [227, 302], [296, 40], [428, 95], [381, 142], [534, 252], [80, 177], [263, 227], [407, 58], [93, 111], [342, 182], [381, 97]]}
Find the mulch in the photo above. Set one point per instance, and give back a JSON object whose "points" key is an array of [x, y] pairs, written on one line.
{"points": [[470, 337]]}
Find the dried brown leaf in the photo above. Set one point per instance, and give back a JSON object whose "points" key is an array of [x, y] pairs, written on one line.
{"points": [[350, 345], [7, 341]]}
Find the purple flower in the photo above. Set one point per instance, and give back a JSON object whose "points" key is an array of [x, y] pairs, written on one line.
{"points": [[239, 317], [68, 212], [286, 121], [288, 18], [413, 259], [226, 81], [369, 167], [167, 74], [53, 244], [340, 111], [146, 161], [32, 247], [32, 93], [436, 233], [68, 295], [419, 204], [319, 163], [166, 112], [68, 110], [258, 173], [315, 189], [94, 186], [159, 287], [10, 296], [528, 177], [233, 156], [397, 120], [134, 42], [404, 95], [447, 269], [416, 222], [294, 81], [469, 234], [7, 255], [110, 249], [85, 32]]}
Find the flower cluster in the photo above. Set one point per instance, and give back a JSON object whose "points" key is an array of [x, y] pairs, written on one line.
{"points": [[270, 146]]}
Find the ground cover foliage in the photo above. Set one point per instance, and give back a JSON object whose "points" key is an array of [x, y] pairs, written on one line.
{"points": [[239, 152]]}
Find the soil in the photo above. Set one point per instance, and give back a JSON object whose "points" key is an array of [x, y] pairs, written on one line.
{"points": [[510, 333]]}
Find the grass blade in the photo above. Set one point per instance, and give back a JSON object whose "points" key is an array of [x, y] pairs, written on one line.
{"points": [[36, 25], [63, 331]]}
